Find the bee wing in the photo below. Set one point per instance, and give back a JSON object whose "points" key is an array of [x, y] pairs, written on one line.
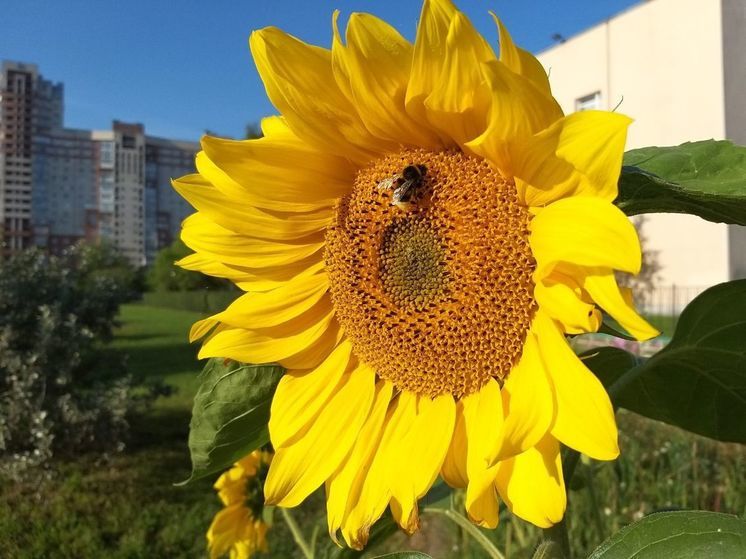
{"points": [[388, 183]]}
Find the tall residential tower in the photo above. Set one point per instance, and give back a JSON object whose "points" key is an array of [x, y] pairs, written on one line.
{"points": [[60, 185]]}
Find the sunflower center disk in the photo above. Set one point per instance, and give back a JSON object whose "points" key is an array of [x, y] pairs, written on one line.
{"points": [[430, 271]]}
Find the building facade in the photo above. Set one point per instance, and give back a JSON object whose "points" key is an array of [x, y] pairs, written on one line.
{"points": [[63, 197], [59, 185], [165, 208], [29, 106], [677, 68]]}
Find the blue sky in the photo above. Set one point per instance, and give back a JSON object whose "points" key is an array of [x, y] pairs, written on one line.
{"points": [[182, 67]]}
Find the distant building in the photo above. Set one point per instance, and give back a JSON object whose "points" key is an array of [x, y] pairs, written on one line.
{"points": [[678, 68], [60, 185], [64, 197], [29, 105], [165, 209]]}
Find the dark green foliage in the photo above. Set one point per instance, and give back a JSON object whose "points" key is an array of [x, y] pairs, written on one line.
{"points": [[678, 535], [706, 178], [164, 275], [58, 389], [230, 414]]}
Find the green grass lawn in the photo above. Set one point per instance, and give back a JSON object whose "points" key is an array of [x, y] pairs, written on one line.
{"points": [[125, 505]]}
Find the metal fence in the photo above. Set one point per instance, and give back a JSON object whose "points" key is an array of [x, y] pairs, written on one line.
{"points": [[668, 300], [662, 307]]}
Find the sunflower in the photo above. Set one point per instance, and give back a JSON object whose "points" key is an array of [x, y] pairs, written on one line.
{"points": [[417, 234], [238, 528]]}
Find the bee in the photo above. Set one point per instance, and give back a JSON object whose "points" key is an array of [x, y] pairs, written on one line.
{"points": [[404, 185]]}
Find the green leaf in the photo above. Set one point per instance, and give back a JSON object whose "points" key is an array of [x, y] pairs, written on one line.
{"points": [[706, 178], [610, 364], [698, 381], [230, 414], [678, 535]]}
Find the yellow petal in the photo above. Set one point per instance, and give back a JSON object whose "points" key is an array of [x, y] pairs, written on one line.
{"points": [[275, 307], [227, 527], [602, 286], [454, 464], [520, 61], [276, 128], [584, 417], [377, 61], [257, 171], [483, 417], [203, 235], [584, 231], [528, 403], [580, 154], [250, 279], [270, 345], [532, 486], [483, 507], [303, 464], [344, 486], [300, 395], [418, 456], [375, 490], [428, 55], [241, 217], [301, 85], [315, 352], [562, 299], [201, 328], [519, 110], [459, 104]]}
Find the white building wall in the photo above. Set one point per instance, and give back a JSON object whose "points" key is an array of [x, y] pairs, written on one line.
{"points": [[663, 60]]}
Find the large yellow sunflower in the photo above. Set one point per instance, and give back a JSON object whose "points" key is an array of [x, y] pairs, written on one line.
{"points": [[417, 234]]}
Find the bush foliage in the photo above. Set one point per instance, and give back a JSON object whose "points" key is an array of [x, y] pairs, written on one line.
{"points": [[164, 275], [58, 389]]}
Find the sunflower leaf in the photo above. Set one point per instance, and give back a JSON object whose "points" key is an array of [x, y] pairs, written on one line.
{"points": [[677, 535], [230, 414], [706, 178], [698, 381]]}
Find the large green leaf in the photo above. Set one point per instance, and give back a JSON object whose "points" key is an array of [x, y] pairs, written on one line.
{"points": [[230, 414], [698, 381], [705, 178], [678, 535]]}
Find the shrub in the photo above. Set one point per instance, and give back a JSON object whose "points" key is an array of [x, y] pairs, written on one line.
{"points": [[59, 388], [164, 275]]}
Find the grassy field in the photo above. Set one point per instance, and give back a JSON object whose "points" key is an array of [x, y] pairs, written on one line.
{"points": [[125, 505]]}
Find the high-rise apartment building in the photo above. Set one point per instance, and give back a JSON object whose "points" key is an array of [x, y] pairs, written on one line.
{"points": [[63, 197], [164, 207], [29, 105], [60, 185], [677, 68]]}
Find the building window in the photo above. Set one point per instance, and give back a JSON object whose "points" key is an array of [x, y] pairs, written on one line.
{"points": [[588, 102]]}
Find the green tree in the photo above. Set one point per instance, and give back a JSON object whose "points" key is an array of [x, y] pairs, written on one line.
{"points": [[164, 275], [59, 387]]}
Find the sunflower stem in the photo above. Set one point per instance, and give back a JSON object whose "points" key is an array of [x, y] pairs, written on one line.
{"points": [[297, 534], [594, 504], [557, 534], [470, 529]]}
